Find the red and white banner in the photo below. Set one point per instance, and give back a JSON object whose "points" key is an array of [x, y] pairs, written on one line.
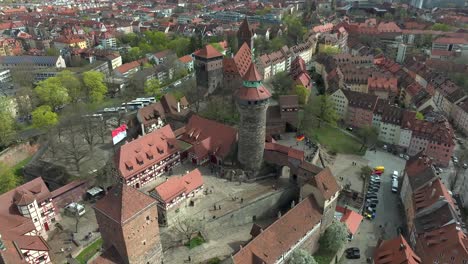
{"points": [[119, 134]]}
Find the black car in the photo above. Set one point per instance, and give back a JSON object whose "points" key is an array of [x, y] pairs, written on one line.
{"points": [[353, 254], [372, 205], [373, 184], [373, 189], [371, 195]]}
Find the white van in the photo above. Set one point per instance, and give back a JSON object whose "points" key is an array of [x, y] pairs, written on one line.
{"points": [[394, 185], [395, 175], [75, 209]]}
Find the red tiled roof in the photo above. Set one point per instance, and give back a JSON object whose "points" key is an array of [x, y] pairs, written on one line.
{"points": [[127, 66], [186, 59], [209, 137], [253, 94], [150, 113], [395, 251], [326, 183], [350, 218], [430, 194], [383, 83], [208, 52], [447, 244], [177, 185], [280, 236], [451, 40], [145, 151], [252, 74], [123, 202]]}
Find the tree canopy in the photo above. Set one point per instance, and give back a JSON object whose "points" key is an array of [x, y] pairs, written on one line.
{"points": [[8, 179], [94, 86], [329, 50], [302, 93], [52, 92], [7, 123], [321, 109], [72, 83], [153, 88], [300, 256], [334, 237], [154, 41], [281, 84], [441, 27], [296, 28], [368, 135], [44, 117]]}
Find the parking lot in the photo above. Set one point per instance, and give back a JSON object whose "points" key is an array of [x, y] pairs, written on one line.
{"points": [[388, 214]]}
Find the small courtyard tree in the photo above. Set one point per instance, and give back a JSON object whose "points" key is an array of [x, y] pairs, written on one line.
{"points": [[334, 237], [188, 226], [368, 136], [322, 109], [300, 256]]}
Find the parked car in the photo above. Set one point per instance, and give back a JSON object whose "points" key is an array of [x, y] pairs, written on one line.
{"points": [[372, 200], [371, 196], [75, 209], [385, 147], [394, 186], [353, 255], [395, 175], [465, 165], [94, 194], [349, 129], [351, 250], [372, 205]]}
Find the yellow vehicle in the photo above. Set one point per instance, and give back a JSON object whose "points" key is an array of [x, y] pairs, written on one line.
{"points": [[379, 168]]}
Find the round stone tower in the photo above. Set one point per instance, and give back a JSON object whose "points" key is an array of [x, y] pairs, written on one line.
{"points": [[252, 103]]}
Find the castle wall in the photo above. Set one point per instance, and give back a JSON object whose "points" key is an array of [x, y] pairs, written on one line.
{"points": [[264, 207], [252, 135]]}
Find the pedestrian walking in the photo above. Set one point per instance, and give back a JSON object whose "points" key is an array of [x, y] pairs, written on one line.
{"points": [[219, 207]]}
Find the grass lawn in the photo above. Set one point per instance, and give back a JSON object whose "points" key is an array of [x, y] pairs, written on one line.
{"points": [[89, 252], [18, 168], [335, 140], [195, 242]]}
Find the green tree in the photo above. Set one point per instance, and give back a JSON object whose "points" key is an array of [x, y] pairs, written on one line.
{"points": [[419, 116], [94, 86], [217, 46], [329, 50], [295, 28], [300, 256], [180, 45], [153, 88], [302, 93], [322, 109], [282, 83], [44, 117], [8, 179], [368, 135], [334, 237], [51, 92], [7, 123], [366, 172], [70, 81], [52, 52], [441, 27]]}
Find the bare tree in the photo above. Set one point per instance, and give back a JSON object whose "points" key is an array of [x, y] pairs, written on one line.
{"points": [[102, 130], [108, 175], [188, 226], [73, 148], [88, 129]]}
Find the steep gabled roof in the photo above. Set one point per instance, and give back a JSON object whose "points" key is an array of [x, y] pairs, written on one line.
{"points": [[208, 52], [123, 202], [280, 236], [395, 251]]}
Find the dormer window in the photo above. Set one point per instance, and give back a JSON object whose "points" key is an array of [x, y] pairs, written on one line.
{"points": [[129, 165], [149, 155], [139, 159]]}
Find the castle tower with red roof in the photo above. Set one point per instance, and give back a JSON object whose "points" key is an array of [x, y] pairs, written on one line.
{"points": [[208, 69], [128, 222], [252, 103], [245, 34]]}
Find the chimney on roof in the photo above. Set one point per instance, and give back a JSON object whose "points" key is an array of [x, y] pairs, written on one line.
{"points": [[402, 246]]}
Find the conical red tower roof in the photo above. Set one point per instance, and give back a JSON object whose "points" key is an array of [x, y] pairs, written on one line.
{"points": [[252, 88], [252, 75]]}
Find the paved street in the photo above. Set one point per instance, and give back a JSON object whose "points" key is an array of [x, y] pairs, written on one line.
{"points": [[388, 213]]}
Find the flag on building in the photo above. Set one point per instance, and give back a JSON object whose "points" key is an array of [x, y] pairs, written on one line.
{"points": [[119, 134], [300, 137]]}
